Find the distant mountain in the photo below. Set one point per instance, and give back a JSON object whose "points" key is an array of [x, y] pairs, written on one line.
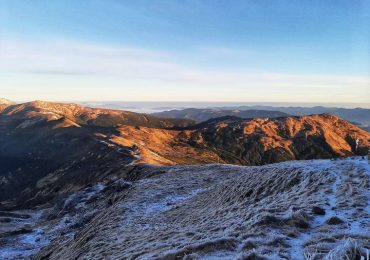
{"points": [[5, 103], [65, 114], [247, 141], [358, 116], [201, 115]]}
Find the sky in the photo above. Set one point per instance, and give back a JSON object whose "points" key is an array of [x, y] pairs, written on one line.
{"points": [[186, 50]]}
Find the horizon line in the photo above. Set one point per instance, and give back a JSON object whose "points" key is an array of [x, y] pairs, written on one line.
{"points": [[352, 105]]}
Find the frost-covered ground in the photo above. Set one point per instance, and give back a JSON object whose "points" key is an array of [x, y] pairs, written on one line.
{"points": [[24, 233], [17, 238], [295, 210]]}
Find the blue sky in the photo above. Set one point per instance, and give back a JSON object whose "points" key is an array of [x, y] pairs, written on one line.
{"points": [[272, 51]]}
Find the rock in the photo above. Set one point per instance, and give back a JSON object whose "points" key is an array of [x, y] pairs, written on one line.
{"points": [[301, 223], [318, 210], [269, 220], [249, 245], [334, 221], [298, 219]]}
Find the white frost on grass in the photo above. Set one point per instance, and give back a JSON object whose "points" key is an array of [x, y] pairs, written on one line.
{"points": [[135, 161], [22, 246], [297, 246], [156, 204], [331, 204], [166, 203], [159, 215], [354, 226], [79, 198]]}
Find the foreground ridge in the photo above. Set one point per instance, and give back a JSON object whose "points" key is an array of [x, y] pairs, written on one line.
{"points": [[293, 210]]}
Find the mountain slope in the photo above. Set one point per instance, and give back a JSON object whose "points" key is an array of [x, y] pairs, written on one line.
{"points": [[292, 210], [66, 141], [247, 142]]}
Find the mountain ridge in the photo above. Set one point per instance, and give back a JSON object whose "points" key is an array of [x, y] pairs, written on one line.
{"points": [[358, 116], [200, 115], [249, 141], [287, 210], [4, 103], [51, 111]]}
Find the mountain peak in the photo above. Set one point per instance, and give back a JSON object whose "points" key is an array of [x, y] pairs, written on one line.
{"points": [[4, 101], [81, 115]]}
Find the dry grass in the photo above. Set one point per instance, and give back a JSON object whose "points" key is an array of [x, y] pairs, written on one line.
{"points": [[226, 212]]}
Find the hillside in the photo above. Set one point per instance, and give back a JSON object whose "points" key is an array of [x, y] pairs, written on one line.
{"points": [[201, 115], [294, 210], [65, 140]]}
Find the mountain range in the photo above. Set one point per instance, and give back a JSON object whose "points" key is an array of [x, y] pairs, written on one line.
{"points": [[40, 139], [200, 115], [70, 173], [358, 116]]}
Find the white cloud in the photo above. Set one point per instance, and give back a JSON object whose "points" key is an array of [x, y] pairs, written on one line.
{"points": [[62, 69]]}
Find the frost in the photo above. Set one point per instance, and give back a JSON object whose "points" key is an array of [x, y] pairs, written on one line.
{"points": [[216, 212]]}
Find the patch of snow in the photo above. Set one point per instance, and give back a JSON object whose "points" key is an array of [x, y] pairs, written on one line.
{"points": [[22, 246], [167, 203], [137, 158], [297, 246]]}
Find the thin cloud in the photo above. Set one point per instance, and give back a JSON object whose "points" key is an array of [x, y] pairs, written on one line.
{"points": [[57, 72], [166, 73]]}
